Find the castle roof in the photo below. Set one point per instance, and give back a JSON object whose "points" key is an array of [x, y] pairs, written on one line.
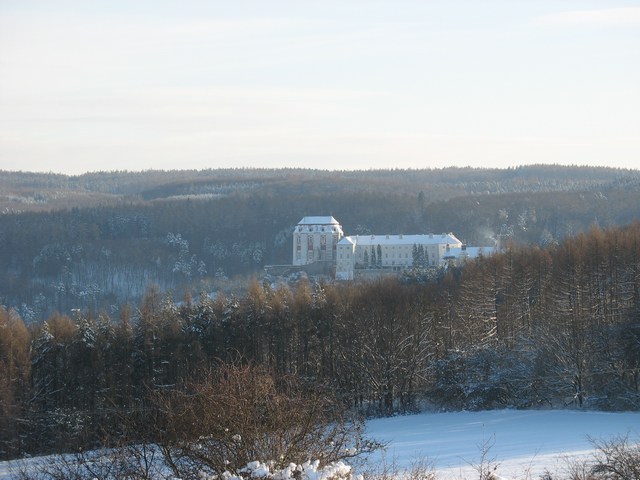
{"points": [[329, 220], [427, 239]]}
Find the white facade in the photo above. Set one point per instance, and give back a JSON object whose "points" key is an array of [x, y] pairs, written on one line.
{"points": [[320, 239], [397, 252], [315, 239], [345, 256]]}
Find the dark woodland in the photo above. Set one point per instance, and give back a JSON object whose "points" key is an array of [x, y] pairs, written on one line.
{"points": [[122, 288], [95, 242]]}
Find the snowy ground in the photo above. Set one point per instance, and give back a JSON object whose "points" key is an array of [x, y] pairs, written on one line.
{"points": [[524, 443]]}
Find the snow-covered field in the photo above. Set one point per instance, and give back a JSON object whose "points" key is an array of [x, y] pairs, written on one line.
{"points": [[523, 443]]}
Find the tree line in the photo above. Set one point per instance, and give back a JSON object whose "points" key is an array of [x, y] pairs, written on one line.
{"points": [[527, 327]]}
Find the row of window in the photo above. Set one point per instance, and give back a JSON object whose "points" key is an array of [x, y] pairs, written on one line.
{"points": [[315, 229], [386, 255]]}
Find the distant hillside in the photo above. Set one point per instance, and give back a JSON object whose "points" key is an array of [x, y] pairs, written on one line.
{"points": [[98, 240], [25, 191]]}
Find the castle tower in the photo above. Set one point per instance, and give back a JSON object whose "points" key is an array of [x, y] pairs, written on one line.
{"points": [[315, 240]]}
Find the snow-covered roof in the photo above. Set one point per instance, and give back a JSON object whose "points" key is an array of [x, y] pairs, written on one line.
{"points": [[329, 220], [346, 241], [427, 239]]}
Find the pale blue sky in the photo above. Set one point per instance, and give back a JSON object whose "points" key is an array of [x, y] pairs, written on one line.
{"points": [[87, 85]]}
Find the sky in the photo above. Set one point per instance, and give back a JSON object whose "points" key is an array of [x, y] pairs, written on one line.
{"points": [[334, 84]]}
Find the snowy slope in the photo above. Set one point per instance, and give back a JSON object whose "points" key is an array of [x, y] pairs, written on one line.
{"points": [[523, 441]]}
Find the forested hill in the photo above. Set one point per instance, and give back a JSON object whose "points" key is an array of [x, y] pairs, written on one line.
{"points": [[528, 327], [96, 241], [26, 191]]}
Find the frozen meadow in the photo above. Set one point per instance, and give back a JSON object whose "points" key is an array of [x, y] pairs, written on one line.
{"points": [[522, 443], [519, 443]]}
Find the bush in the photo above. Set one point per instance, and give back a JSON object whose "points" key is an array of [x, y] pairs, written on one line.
{"points": [[240, 414]]}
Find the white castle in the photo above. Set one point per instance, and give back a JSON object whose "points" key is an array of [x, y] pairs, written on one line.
{"points": [[321, 239]]}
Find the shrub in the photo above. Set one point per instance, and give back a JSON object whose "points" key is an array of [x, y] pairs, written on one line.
{"points": [[239, 414], [617, 458]]}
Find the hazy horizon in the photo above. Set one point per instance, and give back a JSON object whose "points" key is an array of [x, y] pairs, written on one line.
{"points": [[328, 170]]}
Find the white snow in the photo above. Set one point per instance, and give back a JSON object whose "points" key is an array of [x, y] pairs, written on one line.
{"points": [[523, 443]]}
